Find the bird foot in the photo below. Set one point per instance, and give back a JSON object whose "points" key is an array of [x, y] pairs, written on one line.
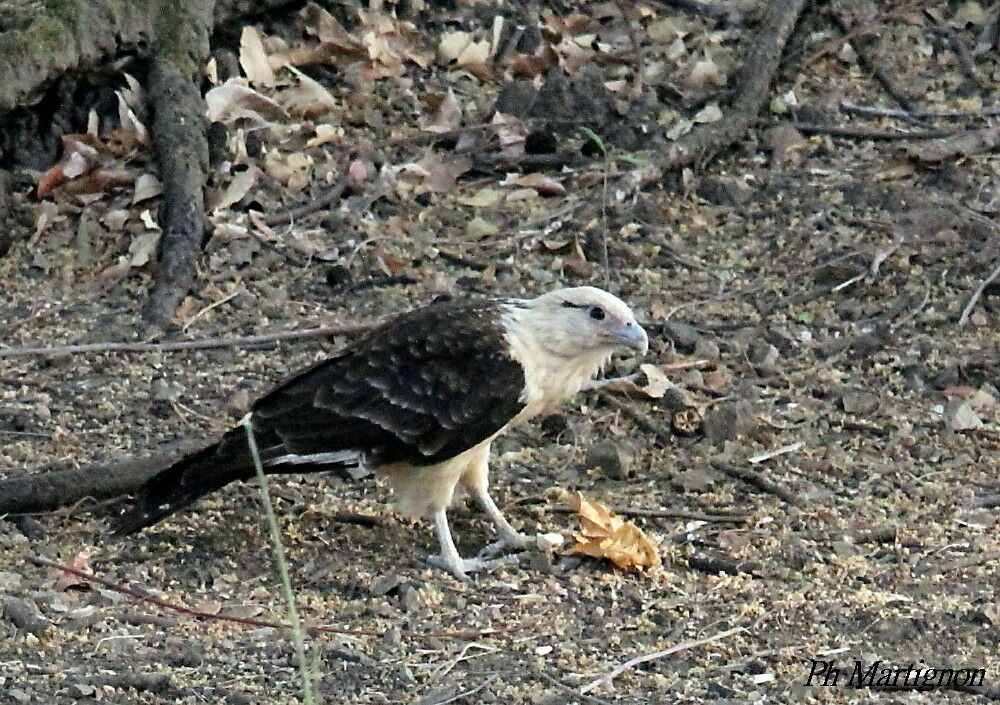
{"points": [[461, 567], [513, 542]]}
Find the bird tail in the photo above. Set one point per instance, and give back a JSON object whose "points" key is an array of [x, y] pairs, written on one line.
{"points": [[188, 479], [215, 466]]}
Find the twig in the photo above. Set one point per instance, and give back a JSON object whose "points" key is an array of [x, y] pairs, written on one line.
{"points": [[868, 63], [664, 514], [757, 480], [282, 566], [199, 344], [293, 213], [969, 307], [810, 128], [248, 621], [873, 111], [631, 663], [791, 448]]}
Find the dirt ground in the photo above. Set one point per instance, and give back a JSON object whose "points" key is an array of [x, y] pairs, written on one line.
{"points": [[815, 283]]}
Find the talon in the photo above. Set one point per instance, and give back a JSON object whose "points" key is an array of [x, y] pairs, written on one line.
{"points": [[514, 542], [461, 567]]}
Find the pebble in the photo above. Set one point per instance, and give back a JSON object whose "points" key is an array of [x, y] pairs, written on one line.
{"points": [[409, 598], [684, 337], [609, 459], [25, 615], [385, 585]]}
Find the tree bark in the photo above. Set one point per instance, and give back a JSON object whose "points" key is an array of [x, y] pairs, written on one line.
{"points": [[179, 126]]}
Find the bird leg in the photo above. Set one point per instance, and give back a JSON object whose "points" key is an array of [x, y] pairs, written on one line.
{"points": [[510, 538], [449, 558]]}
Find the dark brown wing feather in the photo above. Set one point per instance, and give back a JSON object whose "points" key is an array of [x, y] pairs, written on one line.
{"points": [[423, 388]]}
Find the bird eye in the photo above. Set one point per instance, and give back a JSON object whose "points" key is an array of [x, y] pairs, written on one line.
{"points": [[597, 313]]}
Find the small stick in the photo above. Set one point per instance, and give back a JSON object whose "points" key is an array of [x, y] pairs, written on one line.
{"points": [[199, 344], [811, 128], [791, 448], [631, 663], [969, 307], [248, 621], [664, 514], [757, 480], [309, 207], [873, 111]]}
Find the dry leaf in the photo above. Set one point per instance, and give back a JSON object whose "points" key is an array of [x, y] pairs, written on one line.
{"points": [[233, 100], [309, 98], [253, 58], [238, 188], [448, 115], [452, 45], [322, 25], [657, 383], [143, 248], [603, 534], [81, 561], [146, 186], [544, 185], [483, 198], [325, 133]]}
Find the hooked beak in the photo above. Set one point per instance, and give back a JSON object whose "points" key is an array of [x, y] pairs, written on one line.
{"points": [[633, 337]]}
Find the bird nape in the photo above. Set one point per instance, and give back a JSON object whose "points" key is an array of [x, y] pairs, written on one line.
{"points": [[417, 401]]}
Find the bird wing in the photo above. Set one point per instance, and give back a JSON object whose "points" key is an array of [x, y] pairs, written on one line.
{"points": [[422, 389]]}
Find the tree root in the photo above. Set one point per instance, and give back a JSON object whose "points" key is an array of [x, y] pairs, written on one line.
{"points": [[180, 139], [759, 68]]}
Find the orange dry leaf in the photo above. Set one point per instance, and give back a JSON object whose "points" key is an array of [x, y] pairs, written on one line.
{"points": [[603, 534], [81, 561]]}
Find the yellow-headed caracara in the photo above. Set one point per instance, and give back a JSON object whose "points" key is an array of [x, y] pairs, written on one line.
{"points": [[418, 401]]}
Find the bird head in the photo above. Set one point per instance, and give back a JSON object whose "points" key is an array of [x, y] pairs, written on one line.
{"points": [[583, 320]]}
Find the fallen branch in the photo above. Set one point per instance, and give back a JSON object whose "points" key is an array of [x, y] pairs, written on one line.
{"points": [[202, 344], [759, 69], [757, 480], [248, 621], [48, 491], [632, 663], [180, 141]]}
